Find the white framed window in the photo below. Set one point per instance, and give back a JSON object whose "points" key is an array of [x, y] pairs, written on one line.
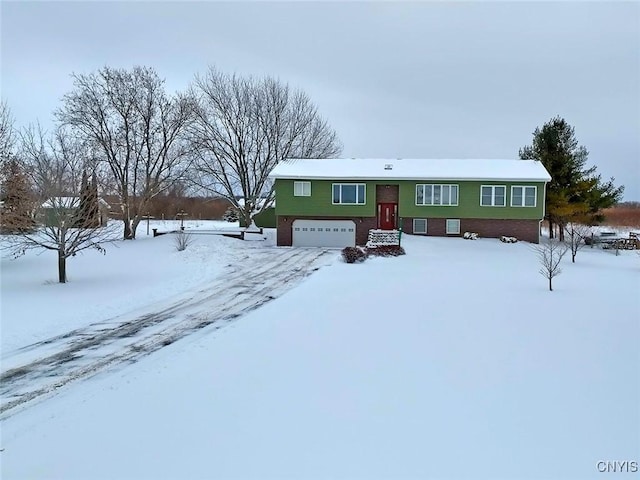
{"points": [[419, 225], [523, 196], [453, 226], [493, 195], [349, 193], [436, 194], [301, 189]]}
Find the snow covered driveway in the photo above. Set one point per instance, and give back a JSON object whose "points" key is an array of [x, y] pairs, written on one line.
{"points": [[37, 370]]}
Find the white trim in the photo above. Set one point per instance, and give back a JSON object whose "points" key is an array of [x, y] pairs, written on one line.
{"points": [[493, 195], [425, 225], [364, 185], [421, 178], [524, 187], [452, 232], [302, 184], [440, 185]]}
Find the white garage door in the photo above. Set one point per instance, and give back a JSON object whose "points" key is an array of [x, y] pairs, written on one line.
{"points": [[324, 233]]}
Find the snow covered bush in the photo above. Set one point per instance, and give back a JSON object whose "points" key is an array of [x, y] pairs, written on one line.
{"points": [[470, 236], [504, 239], [231, 215], [353, 254], [386, 251]]}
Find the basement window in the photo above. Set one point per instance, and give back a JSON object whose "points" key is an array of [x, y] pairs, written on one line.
{"points": [[453, 226], [420, 225]]}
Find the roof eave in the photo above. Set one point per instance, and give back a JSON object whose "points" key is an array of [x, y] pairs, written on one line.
{"points": [[398, 178]]}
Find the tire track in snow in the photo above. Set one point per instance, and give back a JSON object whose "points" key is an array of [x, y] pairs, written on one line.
{"points": [[38, 370]]}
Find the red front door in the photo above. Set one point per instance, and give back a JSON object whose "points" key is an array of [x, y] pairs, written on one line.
{"points": [[387, 213]]}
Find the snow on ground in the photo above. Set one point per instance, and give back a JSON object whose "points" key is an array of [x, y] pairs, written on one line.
{"points": [[454, 361], [132, 275]]}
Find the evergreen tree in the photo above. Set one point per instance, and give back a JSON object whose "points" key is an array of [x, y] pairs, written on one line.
{"points": [[16, 211], [575, 193], [88, 215], [94, 206], [82, 214]]}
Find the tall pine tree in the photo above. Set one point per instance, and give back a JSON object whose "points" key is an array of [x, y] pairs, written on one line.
{"points": [[575, 193]]}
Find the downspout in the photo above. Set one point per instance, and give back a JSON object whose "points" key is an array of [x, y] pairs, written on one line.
{"points": [[544, 210]]}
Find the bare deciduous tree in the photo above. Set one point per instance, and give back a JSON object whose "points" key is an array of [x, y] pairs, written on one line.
{"points": [[576, 233], [137, 131], [550, 255], [53, 166], [244, 126], [7, 132]]}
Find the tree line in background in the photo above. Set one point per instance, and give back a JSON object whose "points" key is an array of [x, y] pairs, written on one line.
{"points": [[220, 138], [154, 153], [141, 145]]}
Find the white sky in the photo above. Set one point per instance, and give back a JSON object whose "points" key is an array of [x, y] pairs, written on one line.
{"points": [[402, 79]]}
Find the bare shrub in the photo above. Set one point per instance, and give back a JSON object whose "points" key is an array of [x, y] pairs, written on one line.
{"points": [[576, 236], [182, 240]]}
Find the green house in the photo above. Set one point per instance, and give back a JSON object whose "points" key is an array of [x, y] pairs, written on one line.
{"points": [[336, 202]]}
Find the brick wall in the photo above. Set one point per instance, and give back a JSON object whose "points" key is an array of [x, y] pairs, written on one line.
{"points": [[525, 230], [387, 193]]}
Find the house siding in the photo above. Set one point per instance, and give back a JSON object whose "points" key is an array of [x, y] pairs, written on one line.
{"points": [[520, 222], [320, 201], [469, 202]]}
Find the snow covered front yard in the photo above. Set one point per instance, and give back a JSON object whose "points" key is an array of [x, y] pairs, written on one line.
{"points": [[453, 361], [133, 275]]}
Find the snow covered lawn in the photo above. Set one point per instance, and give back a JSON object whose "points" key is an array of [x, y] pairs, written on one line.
{"points": [[454, 361], [132, 275]]}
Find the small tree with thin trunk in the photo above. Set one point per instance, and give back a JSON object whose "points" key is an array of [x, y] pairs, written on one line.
{"points": [[64, 228], [575, 235], [550, 255]]}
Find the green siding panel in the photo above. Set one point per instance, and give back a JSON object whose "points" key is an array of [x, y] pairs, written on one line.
{"points": [[320, 201], [469, 203], [266, 218]]}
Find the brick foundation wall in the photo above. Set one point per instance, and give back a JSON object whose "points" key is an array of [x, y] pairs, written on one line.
{"points": [[525, 230], [285, 233]]}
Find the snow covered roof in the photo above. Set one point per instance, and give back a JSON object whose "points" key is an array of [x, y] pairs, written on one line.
{"points": [[61, 202], [411, 169], [69, 202], [259, 203]]}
